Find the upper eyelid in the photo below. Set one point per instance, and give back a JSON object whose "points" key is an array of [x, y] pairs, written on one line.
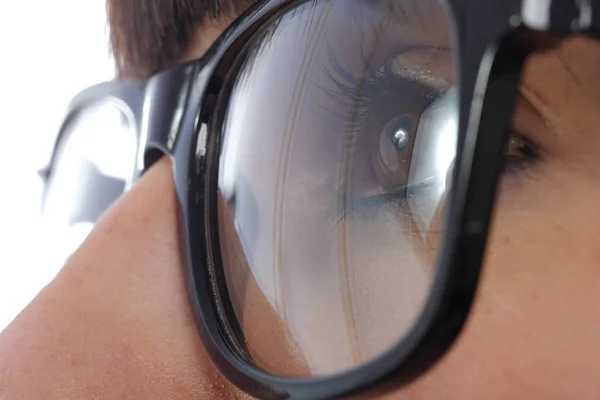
{"points": [[441, 79]]}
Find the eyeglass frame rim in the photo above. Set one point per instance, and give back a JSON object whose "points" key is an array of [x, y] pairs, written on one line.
{"points": [[411, 357]]}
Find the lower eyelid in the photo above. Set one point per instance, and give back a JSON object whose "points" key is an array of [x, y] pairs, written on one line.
{"points": [[383, 201], [367, 207]]}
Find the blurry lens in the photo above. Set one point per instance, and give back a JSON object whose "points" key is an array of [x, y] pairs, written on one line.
{"points": [[339, 140], [93, 164]]}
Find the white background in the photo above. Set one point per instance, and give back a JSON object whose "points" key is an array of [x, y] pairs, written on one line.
{"points": [[49, 50]]}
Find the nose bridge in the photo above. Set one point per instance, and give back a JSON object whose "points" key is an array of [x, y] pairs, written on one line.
{"points": [[167, 98]]}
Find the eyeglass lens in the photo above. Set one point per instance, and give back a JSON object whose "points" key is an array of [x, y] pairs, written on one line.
{"points": [[339, 141]]}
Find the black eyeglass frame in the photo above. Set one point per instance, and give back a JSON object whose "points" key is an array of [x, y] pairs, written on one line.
{"points": [[178, 113]]}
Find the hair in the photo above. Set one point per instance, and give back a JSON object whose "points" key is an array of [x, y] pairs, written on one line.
{"points": [[147, 36]]}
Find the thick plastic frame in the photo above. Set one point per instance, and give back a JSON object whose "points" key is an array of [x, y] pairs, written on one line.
{"points": [[178, 114]]}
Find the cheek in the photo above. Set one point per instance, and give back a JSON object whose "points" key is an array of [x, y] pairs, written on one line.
{"points": [[533, 332]]}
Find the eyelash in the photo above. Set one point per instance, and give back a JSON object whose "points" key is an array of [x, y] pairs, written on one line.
{"points": [[360, 94]]}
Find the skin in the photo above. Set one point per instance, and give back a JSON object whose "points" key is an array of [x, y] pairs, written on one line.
{"points": [[115, 321]]}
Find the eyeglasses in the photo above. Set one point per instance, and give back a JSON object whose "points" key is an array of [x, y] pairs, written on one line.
{"points": [[336, 164]]}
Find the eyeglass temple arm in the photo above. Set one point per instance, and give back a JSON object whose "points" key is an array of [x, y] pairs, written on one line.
{"points": [[126, 96]]}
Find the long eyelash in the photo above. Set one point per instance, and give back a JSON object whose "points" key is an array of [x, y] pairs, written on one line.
{"points": [[353, 95], [345, 81]]}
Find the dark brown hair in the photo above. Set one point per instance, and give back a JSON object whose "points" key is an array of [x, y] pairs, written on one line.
{"points": [[149, 35]]}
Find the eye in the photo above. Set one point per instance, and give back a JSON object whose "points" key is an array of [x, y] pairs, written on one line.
{"points": [[385, 105], [392, 161], [520, 153], [393, 136]]}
